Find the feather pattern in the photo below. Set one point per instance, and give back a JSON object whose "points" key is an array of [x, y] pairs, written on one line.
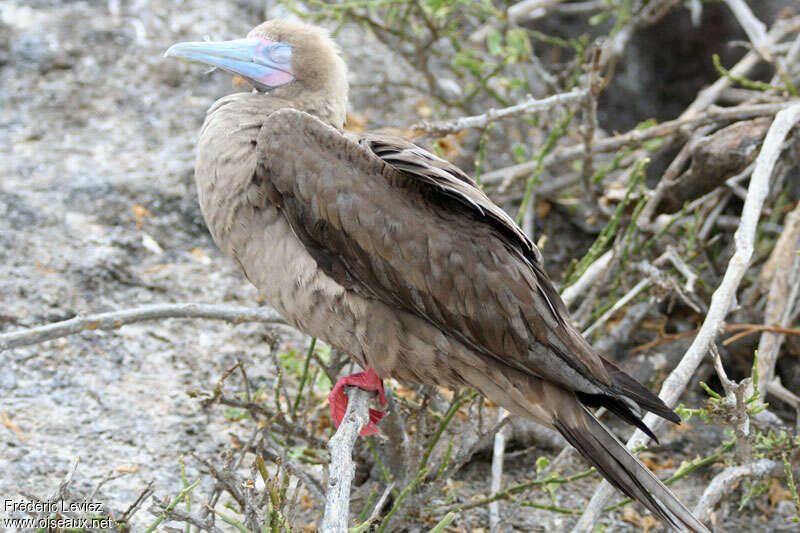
{"points": [[394, 255]]}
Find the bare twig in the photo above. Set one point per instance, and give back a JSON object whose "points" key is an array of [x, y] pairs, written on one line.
{"points": [[725, 482], [276, 421], [131, 510], [174, 514], [784, 271], [748, 329], [342, 467], [722, 299], [755, 29], [777, 389], [519, 12], [622, 302], [681, 266], [529, 9], [62, 491], [273, 450], [510, 174], [672, 172], [481, 121], [587, 279], [710, 94], [117, 319]]}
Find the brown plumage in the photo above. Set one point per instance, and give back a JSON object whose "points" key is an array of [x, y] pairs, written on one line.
{"points": [[394, 256]]}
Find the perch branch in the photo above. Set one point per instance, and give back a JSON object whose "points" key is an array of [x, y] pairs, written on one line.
{"points": [[722, 299], [342, 467], [117, 319], [498, 452]]}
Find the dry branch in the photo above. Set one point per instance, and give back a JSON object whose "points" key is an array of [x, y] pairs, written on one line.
{"points": [[622, 302], [587, 279], [117, 319], [784, 270], [498, 453], [342, 467], [722, 299], [726, 481], [174, 514], [509, 175], [710, 94], [755, 29], [575, 96]]}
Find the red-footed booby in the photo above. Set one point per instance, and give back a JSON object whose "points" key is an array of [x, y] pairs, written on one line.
{"points": [[394, 256]]}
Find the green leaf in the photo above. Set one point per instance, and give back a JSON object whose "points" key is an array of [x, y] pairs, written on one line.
{"points": [[444, 523], [645, 124], [653, 144], [518, 43], [434, 5], [494, 42], [541, 463], [468, 60], [594, 20], [520, 153]]}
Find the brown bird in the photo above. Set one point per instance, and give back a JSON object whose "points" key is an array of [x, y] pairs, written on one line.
{"points": [[395, 256]]}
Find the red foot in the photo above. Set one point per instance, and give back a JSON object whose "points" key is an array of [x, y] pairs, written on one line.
{"points": [[367, 380]]}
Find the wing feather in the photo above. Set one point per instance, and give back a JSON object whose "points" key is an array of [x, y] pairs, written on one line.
{"points": [[396, 223]]}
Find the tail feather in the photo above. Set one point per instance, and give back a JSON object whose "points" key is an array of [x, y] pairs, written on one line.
{"points": [[630, 388], [619, 408], [581, 429]]}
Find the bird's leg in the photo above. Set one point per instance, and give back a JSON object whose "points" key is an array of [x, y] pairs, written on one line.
{"points": [[367, 380]]}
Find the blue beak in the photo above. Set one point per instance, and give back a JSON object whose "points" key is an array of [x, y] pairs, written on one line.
{"points": [[264, 63]]}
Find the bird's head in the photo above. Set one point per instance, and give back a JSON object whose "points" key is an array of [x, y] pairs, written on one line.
{"points": [[289, 59]]}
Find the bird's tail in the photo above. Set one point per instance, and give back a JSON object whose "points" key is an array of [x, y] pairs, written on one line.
{"points": [[613, 460]]}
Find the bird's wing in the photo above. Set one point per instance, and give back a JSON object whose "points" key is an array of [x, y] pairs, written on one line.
{"points": [[394, 222]]}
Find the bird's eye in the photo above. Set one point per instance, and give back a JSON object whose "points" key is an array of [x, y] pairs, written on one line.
{"points": [[281, 53]]}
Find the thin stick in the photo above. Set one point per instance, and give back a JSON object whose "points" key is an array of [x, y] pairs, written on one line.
{"points": [[117, 319], [709, 95], [342, 467], [755, 29], [721, 301], [519, 12], [587, 279], [444, 127], [744, 329], [622, 302]]}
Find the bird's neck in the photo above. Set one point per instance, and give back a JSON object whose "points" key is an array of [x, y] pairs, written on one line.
{"points": [[326, 109], [328, 105]]}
